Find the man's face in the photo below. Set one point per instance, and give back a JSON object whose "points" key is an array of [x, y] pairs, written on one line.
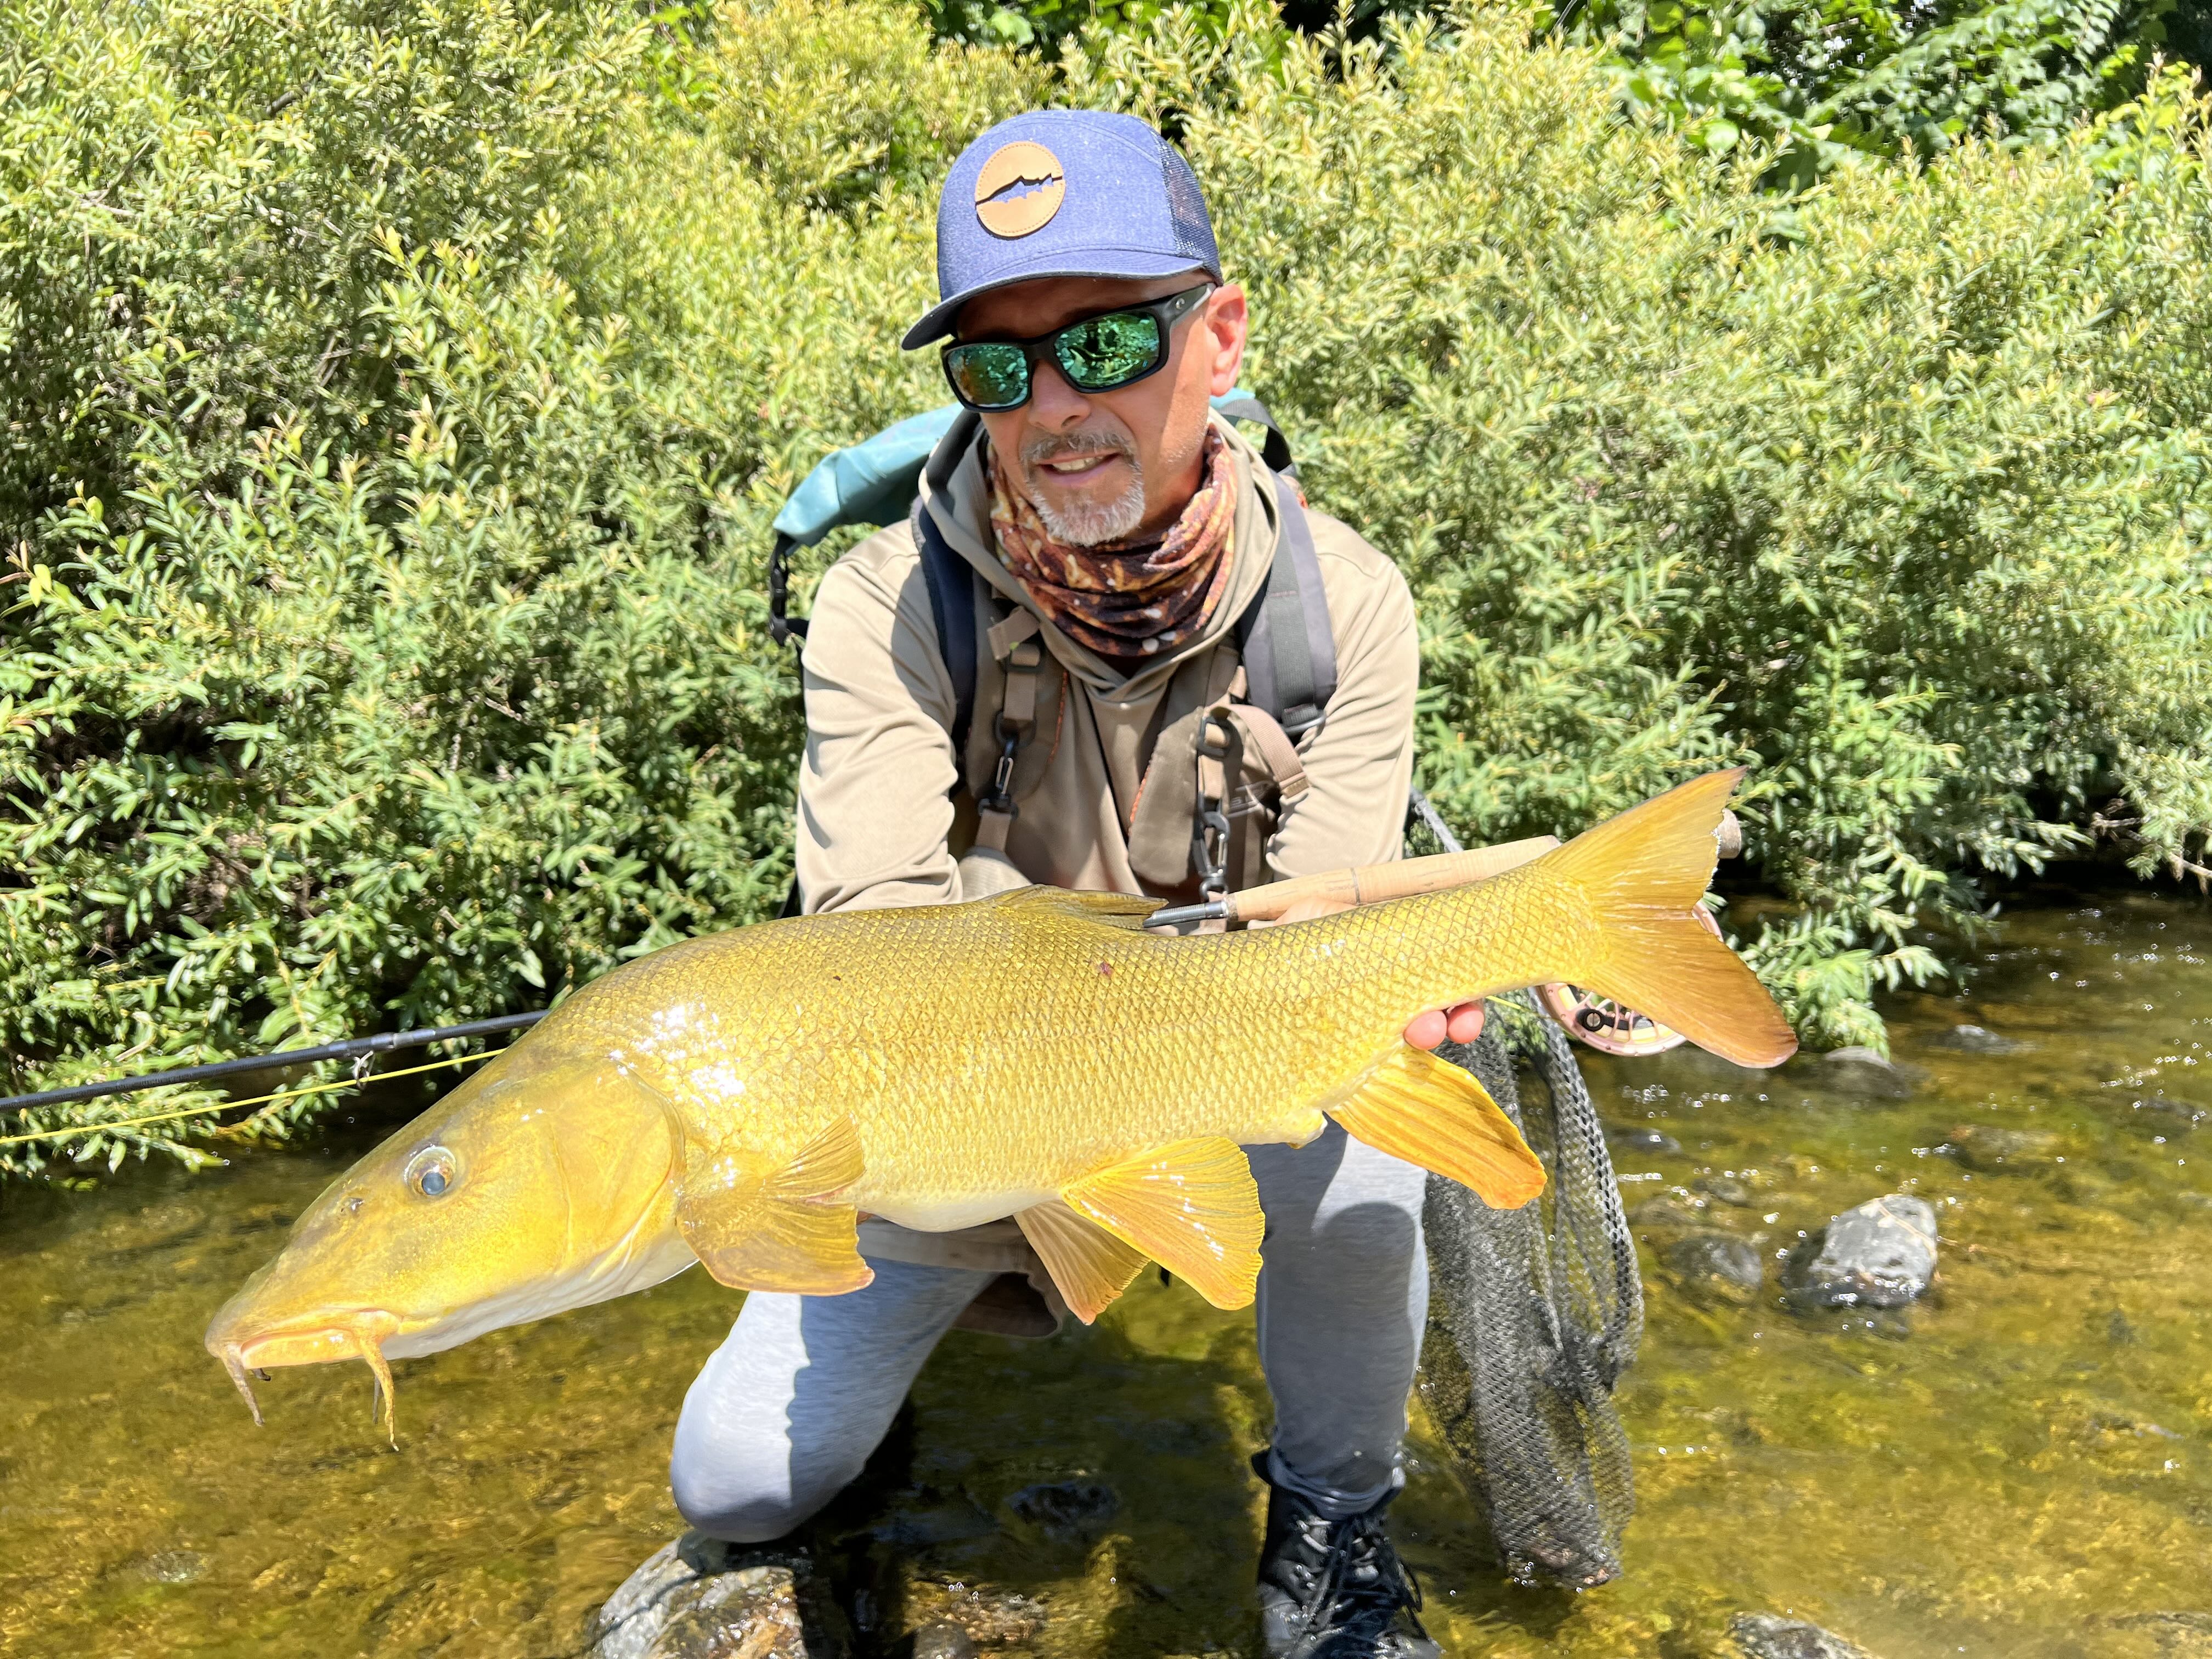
{"points": [[1102, 466]]}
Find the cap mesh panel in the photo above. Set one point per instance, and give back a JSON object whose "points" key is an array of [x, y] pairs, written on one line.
{"points": [[1193, 229]]}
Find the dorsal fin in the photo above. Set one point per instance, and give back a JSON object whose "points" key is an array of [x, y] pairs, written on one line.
{"points": [[1125, 911]]}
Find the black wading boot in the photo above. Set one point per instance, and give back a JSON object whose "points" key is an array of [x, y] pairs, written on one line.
{"points": [[1335, 1589]]}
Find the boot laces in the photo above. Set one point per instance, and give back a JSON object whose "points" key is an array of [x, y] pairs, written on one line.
{"points": [[1361, 1587]]}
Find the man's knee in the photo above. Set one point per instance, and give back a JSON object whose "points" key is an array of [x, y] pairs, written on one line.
{"points": [[744, 1500]]}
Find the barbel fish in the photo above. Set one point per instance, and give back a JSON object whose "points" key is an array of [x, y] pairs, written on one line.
{"points": [[743, 1099]]}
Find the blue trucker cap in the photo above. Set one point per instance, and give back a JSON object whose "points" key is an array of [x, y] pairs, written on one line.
{"points": [[1064, 193]]}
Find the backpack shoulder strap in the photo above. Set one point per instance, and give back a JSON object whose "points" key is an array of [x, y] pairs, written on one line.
{"points": [[1284, 637], [1275, 448], [952, 607]]}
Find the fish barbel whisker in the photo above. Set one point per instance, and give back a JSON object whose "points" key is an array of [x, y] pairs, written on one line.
{"points": [[234, 1363], [372, 1351]]}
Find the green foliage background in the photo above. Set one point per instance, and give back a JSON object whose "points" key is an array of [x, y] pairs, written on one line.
{"points": [[396, 396]]}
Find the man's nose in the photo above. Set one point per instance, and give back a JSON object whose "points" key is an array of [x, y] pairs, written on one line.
{"points": [[1054, 405]]}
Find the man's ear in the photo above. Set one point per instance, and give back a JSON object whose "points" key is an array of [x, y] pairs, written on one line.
{"points": [[1224, 321]]}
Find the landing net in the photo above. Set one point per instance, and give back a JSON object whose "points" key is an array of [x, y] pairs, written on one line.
{"points": [[1533, 1315]]}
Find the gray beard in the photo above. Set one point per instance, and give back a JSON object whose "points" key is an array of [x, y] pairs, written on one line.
{"points": [[1109, 521], [1088, 525]]}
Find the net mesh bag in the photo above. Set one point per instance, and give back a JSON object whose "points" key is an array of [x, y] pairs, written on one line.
{"points": [[1533, 1315]]}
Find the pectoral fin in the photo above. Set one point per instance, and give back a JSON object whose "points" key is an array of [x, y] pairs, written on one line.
{"points": [[781, 1229], [1089, 1265], [1190, 1206], [1433, 1113]]}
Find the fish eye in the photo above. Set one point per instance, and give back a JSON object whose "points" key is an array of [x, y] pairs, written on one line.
{"points": [[432, 1171]]}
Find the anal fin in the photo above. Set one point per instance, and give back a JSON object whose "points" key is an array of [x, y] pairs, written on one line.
{"points": [[1433, 1113], [778, 1228], [1191, 1207], [1089, 1265]]}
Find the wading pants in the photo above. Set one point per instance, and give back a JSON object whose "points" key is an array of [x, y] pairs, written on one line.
{"points": [[791, 1404]]}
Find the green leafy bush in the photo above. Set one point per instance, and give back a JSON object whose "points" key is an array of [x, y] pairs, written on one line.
{"points": [[1829, 82], [398, 396]]}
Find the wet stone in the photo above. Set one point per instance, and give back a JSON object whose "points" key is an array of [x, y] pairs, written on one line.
{"points": [[1714, 1267], [171, 1567], [1650, 1141], [1986, 1148], [984, 1619], [1066, 1511], [1974, 1040], [1881, 1254], [1676, 1207], [943, 1641], [1861, 1071], [2178, 1635], [699, 1598], [1726, 1190], [2170, 1117], [1767, 1636]]}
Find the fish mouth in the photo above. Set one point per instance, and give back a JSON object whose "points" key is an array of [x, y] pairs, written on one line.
{"points": [[357, 1334]]}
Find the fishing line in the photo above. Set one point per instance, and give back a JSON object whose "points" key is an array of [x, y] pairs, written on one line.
{"points": [[254, 1100]]}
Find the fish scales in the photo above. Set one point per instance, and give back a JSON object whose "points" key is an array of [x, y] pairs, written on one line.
{"points": [[742, 1100], [1013, 1047]]}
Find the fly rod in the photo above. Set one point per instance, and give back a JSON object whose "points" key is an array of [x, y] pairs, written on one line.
{"points": [[1368, 884]]}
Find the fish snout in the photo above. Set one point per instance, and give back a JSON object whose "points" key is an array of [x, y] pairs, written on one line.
{"points": [[244, 1347]]}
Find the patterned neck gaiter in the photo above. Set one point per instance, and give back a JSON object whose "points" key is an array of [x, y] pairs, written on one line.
{"points": [[1125, 599]]}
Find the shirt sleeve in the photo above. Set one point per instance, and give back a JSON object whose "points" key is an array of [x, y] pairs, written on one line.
{"points": [[875, 807], [1359, 766]]}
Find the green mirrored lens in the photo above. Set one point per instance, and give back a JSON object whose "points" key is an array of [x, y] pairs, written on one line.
{"points": [[990, 375], [1106, 351]]}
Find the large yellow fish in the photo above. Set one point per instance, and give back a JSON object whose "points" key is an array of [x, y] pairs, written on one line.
{"points": [[743, 1099]]}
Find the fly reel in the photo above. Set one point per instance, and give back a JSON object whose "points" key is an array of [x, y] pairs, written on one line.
{"points": [[1604, 1024]]}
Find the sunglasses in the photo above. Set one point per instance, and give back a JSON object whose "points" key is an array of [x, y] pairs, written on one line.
{"points": [[1098, 354]]}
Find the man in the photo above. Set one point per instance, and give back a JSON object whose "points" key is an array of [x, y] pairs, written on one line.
{"points": [[1116, 531]]}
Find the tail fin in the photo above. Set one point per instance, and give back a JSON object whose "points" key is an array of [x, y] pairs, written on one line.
{"points": [[1642, 874]]}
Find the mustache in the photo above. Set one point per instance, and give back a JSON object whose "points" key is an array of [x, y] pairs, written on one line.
{"points": [[1089, 440]]}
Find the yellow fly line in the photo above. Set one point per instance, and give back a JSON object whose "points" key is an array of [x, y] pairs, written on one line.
{"points": [[256, 1100]]}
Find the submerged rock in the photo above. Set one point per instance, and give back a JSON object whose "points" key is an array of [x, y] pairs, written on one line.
{"points": [[2178, 1635], [171, 1567], [1066, 1511], [1676, 1207], [1973, 1040], [1648, 1141], [1986, 1148], [1764, 1636], [699, 1598], [1716, 1267], [1726, 1190], [943, 1641], [1881, 1254], [1861, 1071]]}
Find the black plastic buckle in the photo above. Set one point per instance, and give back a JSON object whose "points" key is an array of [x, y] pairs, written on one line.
{"points": [[1001, 798]]}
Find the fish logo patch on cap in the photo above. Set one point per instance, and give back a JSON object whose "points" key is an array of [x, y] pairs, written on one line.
{"points": [[1019, 190]]}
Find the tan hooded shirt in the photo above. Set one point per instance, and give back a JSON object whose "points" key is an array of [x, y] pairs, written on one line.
{"points": [[878, 821]]}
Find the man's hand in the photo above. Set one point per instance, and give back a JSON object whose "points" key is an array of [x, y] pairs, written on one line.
{"points": [[1462, 1022]]}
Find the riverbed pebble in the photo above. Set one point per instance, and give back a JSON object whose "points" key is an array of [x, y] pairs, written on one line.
{"points": [[1066, 1511], [1650, 1142], [1861, 1070], [1716, 1267], [1726, 1190], [1975, 1040], [699, 1598], [1987, 1148], [1767, 1636], [1677, 1206], [943, 1641], [1881, 1254]]}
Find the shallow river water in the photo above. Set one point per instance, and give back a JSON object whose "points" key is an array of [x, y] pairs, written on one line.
{"points": [[2017, 1466]]}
